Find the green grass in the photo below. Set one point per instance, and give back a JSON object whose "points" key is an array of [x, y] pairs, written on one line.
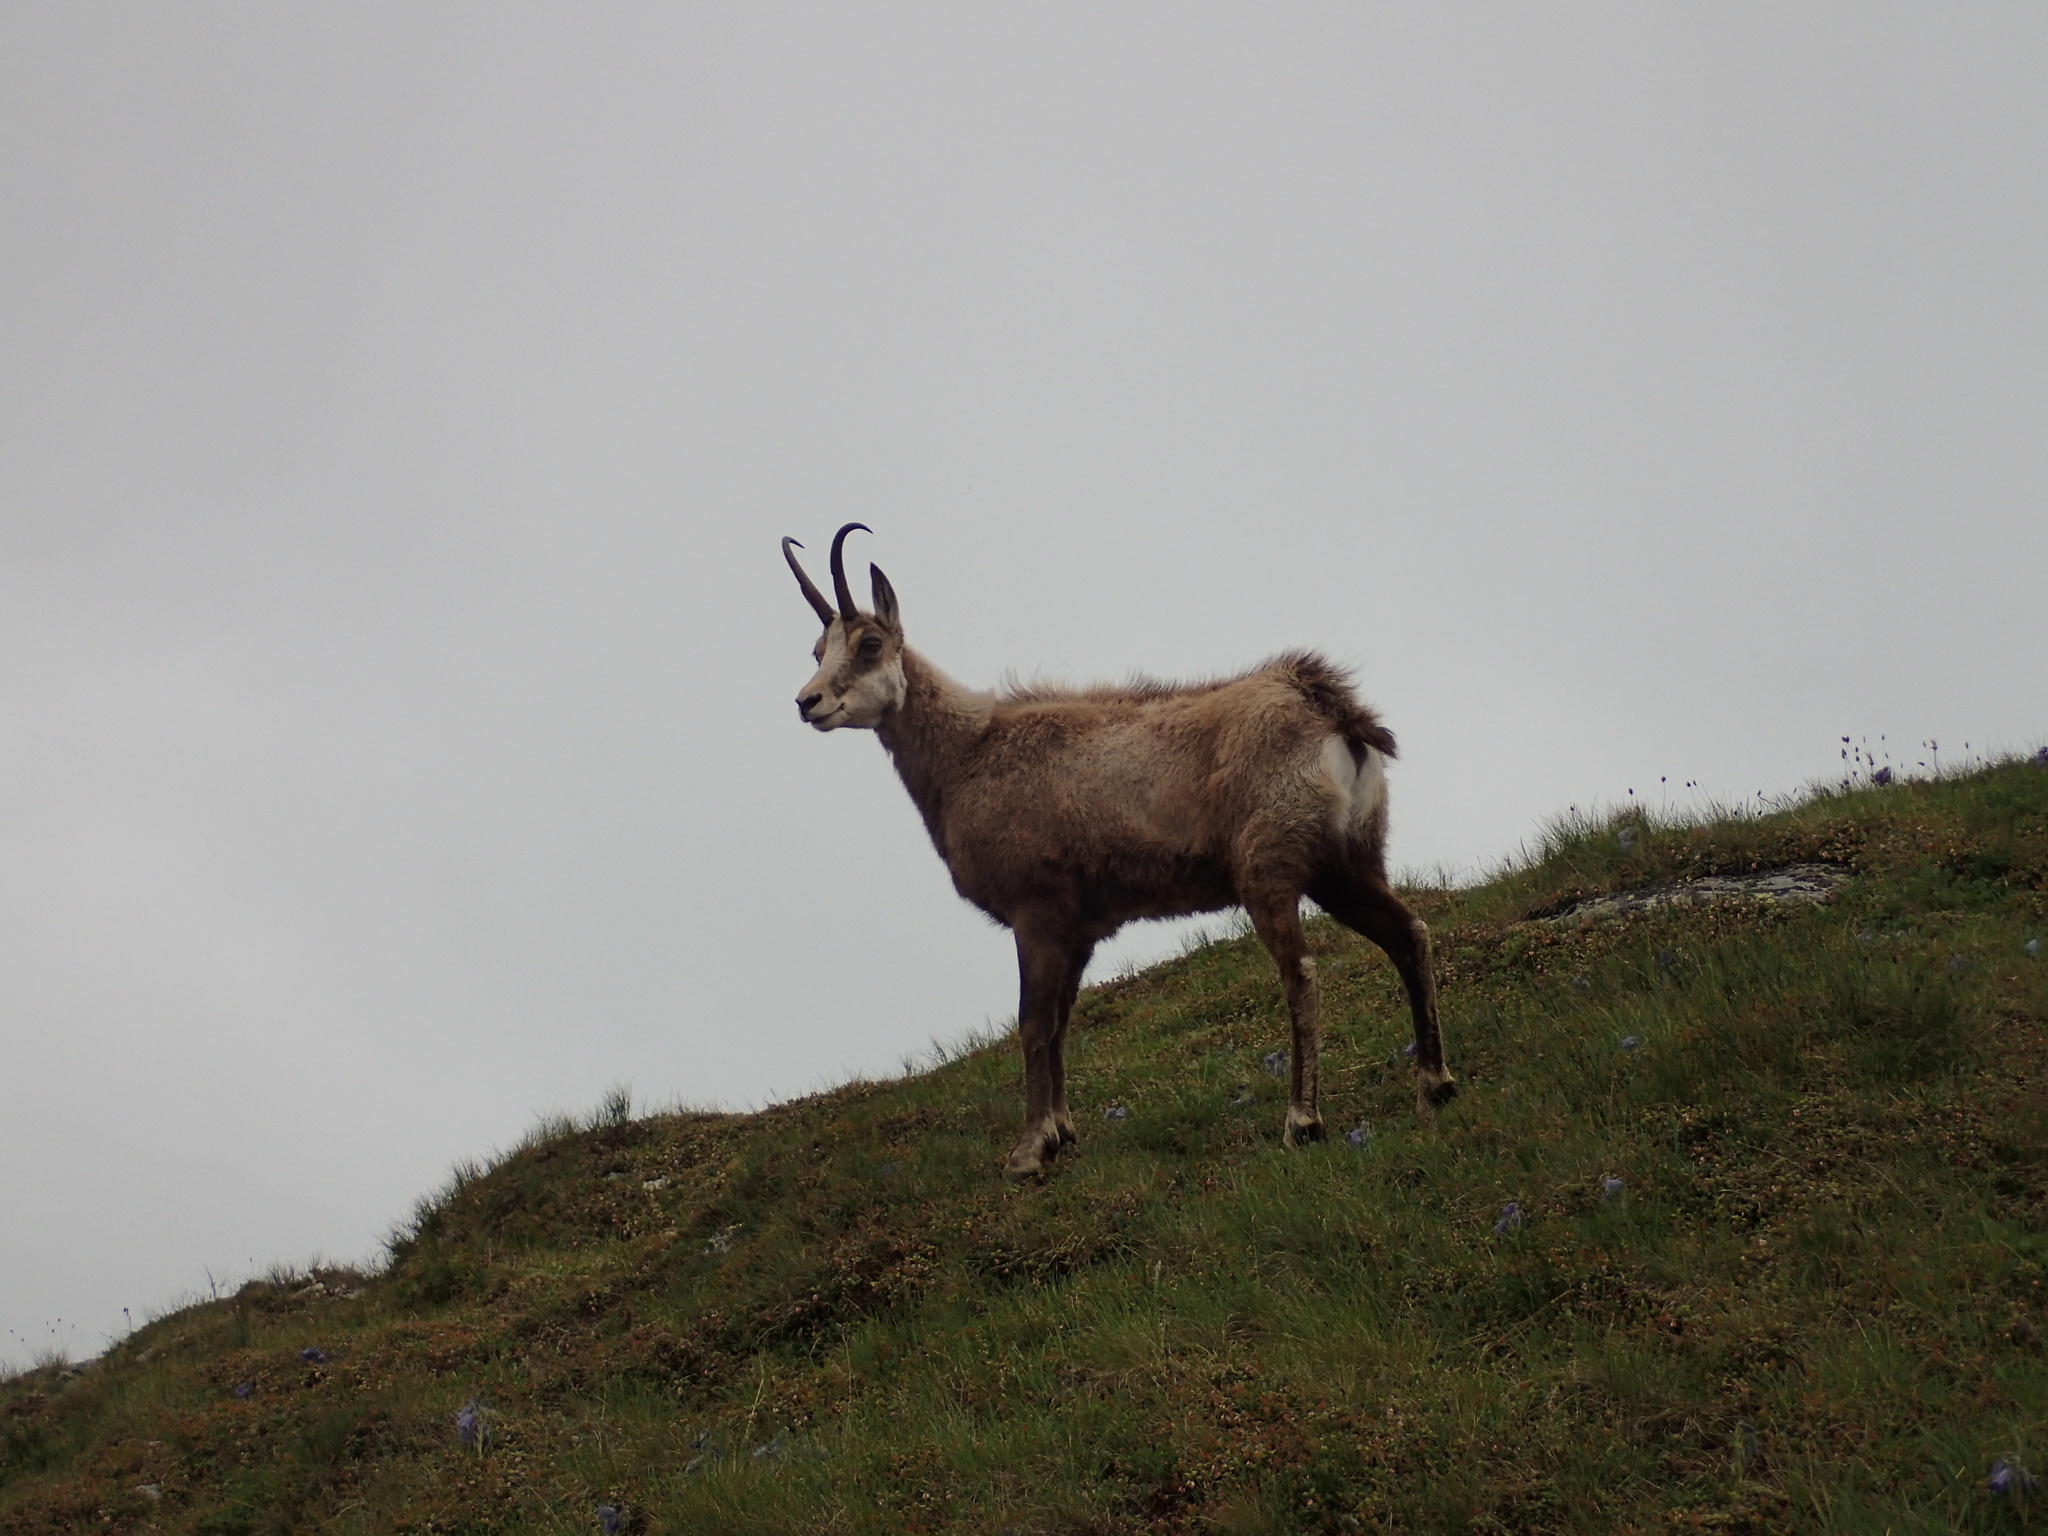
{"points": [[1817, 1305]]}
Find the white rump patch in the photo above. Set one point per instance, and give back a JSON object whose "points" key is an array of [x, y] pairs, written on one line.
{"points": [[1360, 789]]}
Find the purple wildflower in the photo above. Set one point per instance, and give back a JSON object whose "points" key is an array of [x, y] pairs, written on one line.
{"points": [[1582, 984], [313, 1355], [1882, 777], [1358, 1136], [2033, 949], [2009, 1477], [1610, 1189], [1408, 1049], [1629, 1042], [1509, 1220], [1116, 1112], [2040, 758], [244, 1389], [472, 1423], [1276, 1063], [608, 1521]]}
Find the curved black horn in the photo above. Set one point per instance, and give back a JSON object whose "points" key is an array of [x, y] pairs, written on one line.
{"points": [[846, 608], [810, 589]]}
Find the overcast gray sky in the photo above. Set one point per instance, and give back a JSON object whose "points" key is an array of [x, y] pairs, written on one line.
{"points": [[400, 405]]}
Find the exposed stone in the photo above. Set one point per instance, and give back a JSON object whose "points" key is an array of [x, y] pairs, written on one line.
{"points": [[1791, 885]]}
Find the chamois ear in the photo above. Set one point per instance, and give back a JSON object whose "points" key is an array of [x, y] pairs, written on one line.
{"points": [[885, 599]]}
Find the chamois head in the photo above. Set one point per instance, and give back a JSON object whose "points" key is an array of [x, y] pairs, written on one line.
{"points": [[860, 655]]}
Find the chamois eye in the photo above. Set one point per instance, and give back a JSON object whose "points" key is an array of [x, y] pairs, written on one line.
{"points": [[870, 647]]}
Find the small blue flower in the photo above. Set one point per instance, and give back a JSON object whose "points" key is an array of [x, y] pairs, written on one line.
{"points": [[2040, 758], [1610, 1189], [1276, 1063], [1116, 1112], [1882, 777], [1509, 1220], [1408, 1049], [243, 1389], [608, 1521], [1582, 984], [1358, 1136], [775, 1449], [1629, 1042], [472, 1423], [2009, 1477], [2033, 949], [313, 1355]]}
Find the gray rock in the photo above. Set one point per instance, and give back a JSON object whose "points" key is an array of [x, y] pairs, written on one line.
{"points": [[1794, 885]]}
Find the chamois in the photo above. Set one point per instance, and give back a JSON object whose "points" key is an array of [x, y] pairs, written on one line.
{"points": [[1065, 813]]}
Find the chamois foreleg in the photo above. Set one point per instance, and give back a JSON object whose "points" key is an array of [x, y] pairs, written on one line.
{"points": [[1062, 1118], [1276, 918], [1366, 904], [1049, 973]]}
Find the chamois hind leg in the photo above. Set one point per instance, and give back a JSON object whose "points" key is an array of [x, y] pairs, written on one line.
{"points": [[1276, 918], [1044, 962], [1366, 904]]}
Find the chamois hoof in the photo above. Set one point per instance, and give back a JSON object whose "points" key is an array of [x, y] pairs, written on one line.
{"points": [[1301, 1129], [1028, 1159], [1433, 1090]]}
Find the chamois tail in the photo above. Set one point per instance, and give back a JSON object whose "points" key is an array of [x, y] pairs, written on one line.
{"points": [[1328, 692]]}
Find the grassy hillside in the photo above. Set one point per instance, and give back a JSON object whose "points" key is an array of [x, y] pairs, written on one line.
{"points": [[1814, 1300]]}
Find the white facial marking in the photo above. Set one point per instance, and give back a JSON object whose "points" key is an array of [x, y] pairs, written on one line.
{"points": [[850, 696]]}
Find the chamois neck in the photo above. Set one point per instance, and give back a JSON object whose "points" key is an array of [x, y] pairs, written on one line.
{"points": [[931, 734]]}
